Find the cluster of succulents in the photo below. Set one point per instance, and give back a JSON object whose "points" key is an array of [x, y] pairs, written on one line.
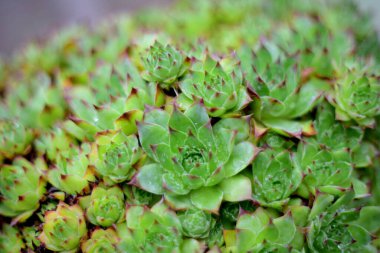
{"points": [[216, 126]]}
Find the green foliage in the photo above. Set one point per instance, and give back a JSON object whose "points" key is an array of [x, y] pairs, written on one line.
{"points": [[219, 126]]}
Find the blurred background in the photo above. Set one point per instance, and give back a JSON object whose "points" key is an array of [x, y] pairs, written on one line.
{"points": [[22, 20]]}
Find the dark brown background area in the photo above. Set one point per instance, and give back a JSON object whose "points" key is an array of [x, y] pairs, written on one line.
{"points": [[23, 20]]}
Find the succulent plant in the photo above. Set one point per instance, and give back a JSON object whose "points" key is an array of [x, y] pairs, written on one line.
{"points": [[150, 230], [324, 170], [72, 171], [280, 91], [262, 229], [219, 84], [37, 104], [51, 144], [163, 64], [276, 175], [317, 48], [63, 228], [22, 187], [334, 227], [106, 206], [191, 158], [10, 239], [196, 223], [114, 156], [114, 101], [356, 95], [15, 139], [101, 241], [218, 126]]}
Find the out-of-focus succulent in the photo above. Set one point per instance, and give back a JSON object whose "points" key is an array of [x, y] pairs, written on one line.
{"points": [[51, 144], [10, 239], [194, 163], [36, 104], [106, 206], [114, 155], [357, 95], [72, 171], [63, 228], [164, 64], [15, 139], [280, 91], [219, 84], [101, 241], [196, 223], [276, 175], [21, 187], [318, 50], [114, 101], [150, 230]]}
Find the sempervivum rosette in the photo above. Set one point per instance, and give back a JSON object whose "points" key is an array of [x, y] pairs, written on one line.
{"points": [[335, 227], [63, 228], [276, 173], [72, 172], [114, 100], [101, 241], [150, 230], [194, 163], [114, 156], [264, 231], [164, 64], [15, 139], [323, 169], [105, 207], [357, 94], [219, 84], [280, 90], [21, 187], [196, 223]]}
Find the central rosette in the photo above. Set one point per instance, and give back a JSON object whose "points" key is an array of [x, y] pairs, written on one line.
{"points": [[192, 157]]}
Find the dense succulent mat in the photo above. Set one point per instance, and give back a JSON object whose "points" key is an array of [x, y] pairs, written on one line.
{"points": [[212, 126]]}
